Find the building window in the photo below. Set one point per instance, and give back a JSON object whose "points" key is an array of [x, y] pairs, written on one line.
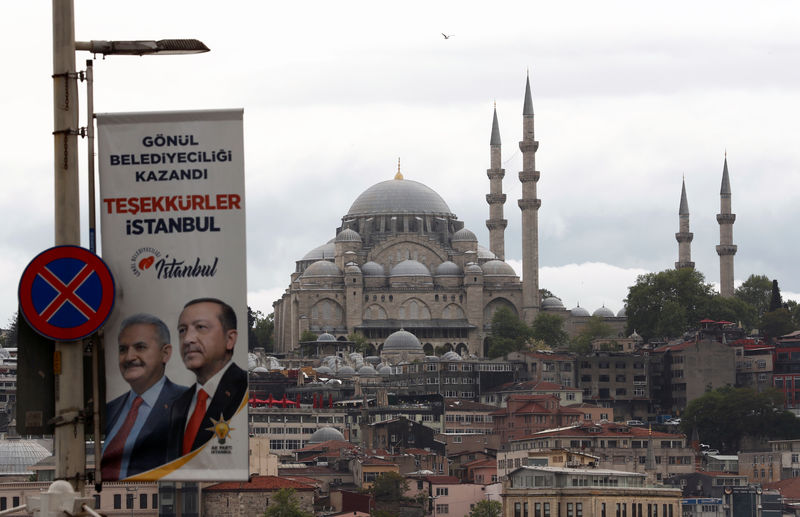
{"points": [[441, 491], [129, 501], [442, 509], [155, 501], [117, 501], [97, 501], [142, 501]]}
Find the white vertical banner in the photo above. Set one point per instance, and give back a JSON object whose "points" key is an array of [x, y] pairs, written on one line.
{"points": [[173, 233]]}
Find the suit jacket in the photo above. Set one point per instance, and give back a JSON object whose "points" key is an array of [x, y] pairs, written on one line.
{"points": [[231, 390], [150, 448]]}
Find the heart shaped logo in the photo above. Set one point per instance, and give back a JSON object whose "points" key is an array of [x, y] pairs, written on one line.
{"points": [[145, 263]]}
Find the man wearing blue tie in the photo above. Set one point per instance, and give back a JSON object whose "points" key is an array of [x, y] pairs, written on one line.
{"points": [[137, 422]]}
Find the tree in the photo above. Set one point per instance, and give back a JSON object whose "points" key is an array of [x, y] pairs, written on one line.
{"points": [[595, 328], [389, 486], [259, 329], [486, 508], [9, 339], [726, 416], [756, 291], [776, 323], [285, 504], [733, 309], [665, 304], [509, 333], [550, 329], [775, 301], [359, 341]]}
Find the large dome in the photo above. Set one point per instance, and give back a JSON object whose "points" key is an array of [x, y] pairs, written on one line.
{"points": [[18, 456], [402, 340], [399, 196], [410, 268], [325, 434]]}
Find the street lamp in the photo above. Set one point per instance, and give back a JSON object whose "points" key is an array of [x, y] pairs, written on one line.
{"points": [[69, 433]]}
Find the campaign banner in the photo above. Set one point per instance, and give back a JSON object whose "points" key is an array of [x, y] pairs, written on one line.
{"points": [[173, 234]]}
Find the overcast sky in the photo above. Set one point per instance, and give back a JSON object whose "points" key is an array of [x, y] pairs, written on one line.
{"points": [[629, 97]]}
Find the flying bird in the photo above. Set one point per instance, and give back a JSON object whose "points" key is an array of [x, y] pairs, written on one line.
{"points": [[447, 36]]}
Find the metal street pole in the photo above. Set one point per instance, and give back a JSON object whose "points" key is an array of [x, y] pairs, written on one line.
{"points": [[69, 443]]}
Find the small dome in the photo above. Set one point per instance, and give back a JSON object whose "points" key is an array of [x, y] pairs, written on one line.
{"points": [[385, 370], [372, 359], [252, 361], [260, 369], [603, 312], [485, 253], [367, 370], [324, 369], [473, 269], [410, 268], [346, 370], [325, 337], [636, 336], [463, 235], [18, 456], [579, 311], [622, 313], [373, 269], [498, 268], [402, 340], [326, 251], [348, 235], [431, 359], [352, 269], [451, 356], [448, 268], [552, 302], [325, 434], [322, 268]]}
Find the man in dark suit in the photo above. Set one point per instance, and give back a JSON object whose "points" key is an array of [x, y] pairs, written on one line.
{"points": [[207, 330], [137, 422]]}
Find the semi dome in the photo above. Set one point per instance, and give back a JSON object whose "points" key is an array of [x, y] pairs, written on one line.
{"points": [[552, 302], [348, 235], [322, 268], [325, 251], [463, 235], [410, 268], [485, 253], [448, 268], [399, 196], [603, 312], [372, 269], [402, 340], [352, 269], [18, 456], [326, 337], [325, 434], [473, 269], [451, 356], [622, 313], [498, 268], [579, 311]]}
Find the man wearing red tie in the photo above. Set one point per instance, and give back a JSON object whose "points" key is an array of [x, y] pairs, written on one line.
{"points": [[207, 331], [137, 421]]}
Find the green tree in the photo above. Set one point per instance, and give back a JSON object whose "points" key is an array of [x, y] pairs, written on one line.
{"points": [[259, 329], [486, 508], [550, 329], [359, 341], [595, 328], [775, 300], [665, 304], [285, 504], [389, 486], [756, 291], [725, 416], [732, 309], [9, 339], [509, 333], [775, 324]]}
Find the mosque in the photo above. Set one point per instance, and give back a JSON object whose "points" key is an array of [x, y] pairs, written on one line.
{"points": [[401, 260]]}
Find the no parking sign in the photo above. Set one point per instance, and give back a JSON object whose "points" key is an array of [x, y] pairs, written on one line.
{"points": [[66, 293]]}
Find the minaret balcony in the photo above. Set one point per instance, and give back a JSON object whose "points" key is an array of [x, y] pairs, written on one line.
{"points": [[726, 218], [526, 176], [525, 204], [726, 249], [528, 146], [684, 237], [496, 224], [684, 265], [494, 199], [495, 174]]}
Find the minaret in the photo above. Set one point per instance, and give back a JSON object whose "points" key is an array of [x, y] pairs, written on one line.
{"points": [[726, 249], [684, 236], [529, 205], [496, 199]]}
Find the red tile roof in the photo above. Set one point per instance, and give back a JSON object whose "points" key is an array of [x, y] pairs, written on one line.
{"points": [[259, 484], [789, 488], [442, 480], [331, 445]]}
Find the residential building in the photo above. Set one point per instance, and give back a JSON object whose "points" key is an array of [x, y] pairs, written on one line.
{"points": [[527, 414], [553, 367], [497, 396], [247, 498], [616, 379]]}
